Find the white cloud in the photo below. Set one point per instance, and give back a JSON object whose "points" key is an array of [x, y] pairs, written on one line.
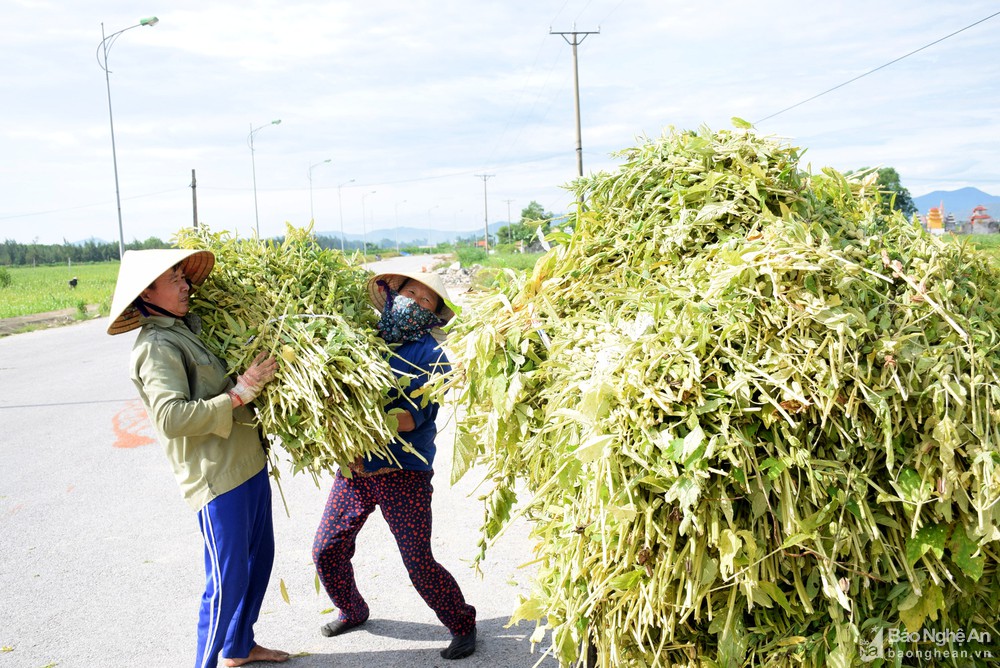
{"points": [[413, 100]]}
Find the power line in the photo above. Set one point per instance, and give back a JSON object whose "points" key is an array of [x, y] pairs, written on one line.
{"points": [[85, 206], [545, 85], [517, 104], [580, 13], [605, 20], [860, 76]]}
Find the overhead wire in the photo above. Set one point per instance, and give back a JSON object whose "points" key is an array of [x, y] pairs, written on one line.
{"points": [[534, 104], [85, 206], [880, 67], [605, 19]]}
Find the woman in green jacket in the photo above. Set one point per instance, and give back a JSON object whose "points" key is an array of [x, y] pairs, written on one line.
{"points": [[208, 431]]}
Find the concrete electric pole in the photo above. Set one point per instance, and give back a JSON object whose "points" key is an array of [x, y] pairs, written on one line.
{"points": [[486, 215], [509, 237], [577, 38], [194, 198]]}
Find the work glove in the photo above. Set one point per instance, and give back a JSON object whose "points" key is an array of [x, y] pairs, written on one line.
{"points": [[252, 381]]}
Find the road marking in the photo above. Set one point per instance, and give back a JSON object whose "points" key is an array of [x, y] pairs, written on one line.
{"points": [[132, 427]]}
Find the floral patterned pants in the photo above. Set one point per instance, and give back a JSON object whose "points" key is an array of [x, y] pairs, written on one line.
{"points": [[404, 497]]}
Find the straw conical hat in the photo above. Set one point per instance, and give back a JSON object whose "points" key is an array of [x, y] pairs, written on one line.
{"points": [[138, 270], [395, 280]]}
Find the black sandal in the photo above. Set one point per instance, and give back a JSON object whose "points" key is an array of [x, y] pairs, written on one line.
{"points": [[339, 626]]}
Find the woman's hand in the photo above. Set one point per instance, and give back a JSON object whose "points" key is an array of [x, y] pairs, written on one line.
{"points": [[261, 370], [404, 421], [252, 381]]}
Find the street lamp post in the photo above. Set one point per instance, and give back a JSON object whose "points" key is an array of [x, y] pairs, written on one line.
{"points": [[340, 203], [364, 224], [253, 166], [312, 217], [106, 43], [397, 224]]}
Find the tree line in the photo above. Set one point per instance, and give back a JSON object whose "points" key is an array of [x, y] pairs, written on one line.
{"points": [[13, 253]]}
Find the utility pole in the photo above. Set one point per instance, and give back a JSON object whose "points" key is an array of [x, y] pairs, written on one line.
{"points": [[486, 215], [510, 237], [575, 42], [194, 198]]}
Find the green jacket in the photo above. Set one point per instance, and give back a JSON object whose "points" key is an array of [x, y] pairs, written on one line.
{"points": [[212, 447]]}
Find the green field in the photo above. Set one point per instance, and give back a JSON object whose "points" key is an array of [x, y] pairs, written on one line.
{"points": [[46, 288], [989, 243]]}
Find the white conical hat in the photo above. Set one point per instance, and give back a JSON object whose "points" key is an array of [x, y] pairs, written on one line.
{"points": [[140, 268], [396, 280]]}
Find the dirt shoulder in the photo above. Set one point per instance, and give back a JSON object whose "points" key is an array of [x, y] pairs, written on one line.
{"points": [[27, 323]]}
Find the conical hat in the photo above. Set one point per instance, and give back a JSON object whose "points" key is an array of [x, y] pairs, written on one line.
{"points": [[140, 268], [394, 281]]}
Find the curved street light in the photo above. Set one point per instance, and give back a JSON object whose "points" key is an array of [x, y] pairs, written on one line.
{"points": [[340, 203], [253, 166], [103, 48], [312, 218]]}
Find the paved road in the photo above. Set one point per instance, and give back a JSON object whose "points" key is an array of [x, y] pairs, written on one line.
{"points": [[100, 559]]}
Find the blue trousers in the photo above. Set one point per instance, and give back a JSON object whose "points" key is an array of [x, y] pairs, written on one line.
{"points": [[239, 552]]}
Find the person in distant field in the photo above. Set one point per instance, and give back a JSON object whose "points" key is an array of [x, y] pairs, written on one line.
{"points": [[211, 439], [413, 308], [72, 282]]}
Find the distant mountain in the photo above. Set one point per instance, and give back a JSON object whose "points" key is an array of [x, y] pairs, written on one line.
{"points": [[409, 235], [959, 202]]}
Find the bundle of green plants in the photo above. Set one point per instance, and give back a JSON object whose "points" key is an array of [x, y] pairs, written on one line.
{"points": [[752, 418], [308, 306]]}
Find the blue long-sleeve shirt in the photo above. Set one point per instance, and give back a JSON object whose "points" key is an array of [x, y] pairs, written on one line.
{"points": [[419, 359]]}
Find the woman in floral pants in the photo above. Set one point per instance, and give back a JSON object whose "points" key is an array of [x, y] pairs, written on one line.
{"points": [[413, 309]]}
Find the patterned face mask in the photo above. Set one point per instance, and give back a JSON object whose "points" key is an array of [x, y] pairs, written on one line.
{"points": [[404, 320]]}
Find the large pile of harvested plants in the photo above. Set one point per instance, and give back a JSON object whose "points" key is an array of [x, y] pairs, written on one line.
{"points": [[752, 418], [308, 306]]}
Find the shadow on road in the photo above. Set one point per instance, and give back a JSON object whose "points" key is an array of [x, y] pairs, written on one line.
{"points": [[495, 647]]}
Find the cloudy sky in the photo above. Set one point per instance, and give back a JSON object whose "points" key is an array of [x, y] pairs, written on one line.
{"points": [[413, 102]]}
